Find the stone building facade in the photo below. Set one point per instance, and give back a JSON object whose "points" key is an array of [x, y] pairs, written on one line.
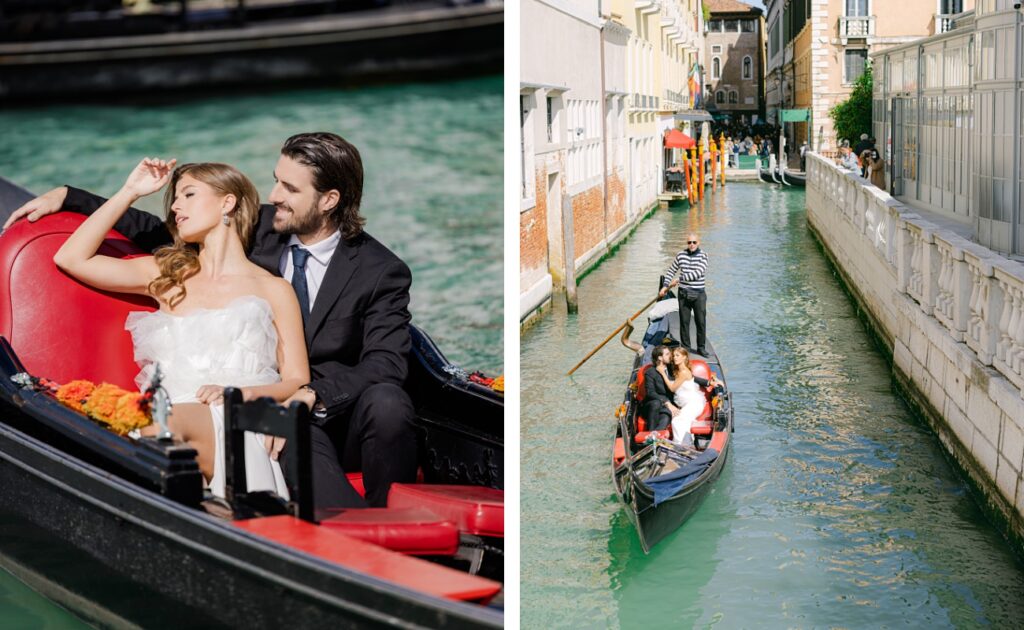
{"points": [[597, 83], [818, 48], [735, 60]]}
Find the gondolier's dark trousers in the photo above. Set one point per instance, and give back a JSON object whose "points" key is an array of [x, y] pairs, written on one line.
{"points": [[695, 300]]}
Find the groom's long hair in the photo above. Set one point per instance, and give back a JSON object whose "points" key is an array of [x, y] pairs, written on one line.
{"points": [[180, 261]]}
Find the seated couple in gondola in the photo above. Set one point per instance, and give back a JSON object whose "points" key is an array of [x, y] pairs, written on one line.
{"points": [[674, 396], [335, 337]]}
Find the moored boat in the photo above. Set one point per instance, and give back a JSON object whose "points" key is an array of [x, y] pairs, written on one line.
{"points": [[122, 532], [662, 483], [785, 178]]}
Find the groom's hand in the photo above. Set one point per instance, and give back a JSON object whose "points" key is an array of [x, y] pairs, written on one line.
{"points": [[44, 204]]}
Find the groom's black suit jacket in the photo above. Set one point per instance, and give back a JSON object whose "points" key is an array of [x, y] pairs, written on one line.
{"points": [[357, 334]]}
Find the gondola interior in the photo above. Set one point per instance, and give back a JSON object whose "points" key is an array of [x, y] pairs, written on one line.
{"points": [[660, 477], [442, 536]]}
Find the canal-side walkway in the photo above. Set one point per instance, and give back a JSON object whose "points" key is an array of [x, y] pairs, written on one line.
{"points": [[951, 315]]}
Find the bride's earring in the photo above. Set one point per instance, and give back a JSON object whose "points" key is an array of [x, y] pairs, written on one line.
{"points": [[226, 219]]}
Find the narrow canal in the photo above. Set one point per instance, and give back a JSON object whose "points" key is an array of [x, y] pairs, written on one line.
{"points": [[837, 507], [432, 154]]}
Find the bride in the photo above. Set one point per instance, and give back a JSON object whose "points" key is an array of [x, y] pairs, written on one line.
{"points": [[222, 320], [688, 395]]}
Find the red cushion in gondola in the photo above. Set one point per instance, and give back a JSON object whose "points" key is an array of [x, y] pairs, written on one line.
{"points": [[415, 531], [641, 436], [473, 509], [60, 328], [352, 553]]}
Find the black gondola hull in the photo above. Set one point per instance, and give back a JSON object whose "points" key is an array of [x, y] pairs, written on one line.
{"points": [[181, 564]]}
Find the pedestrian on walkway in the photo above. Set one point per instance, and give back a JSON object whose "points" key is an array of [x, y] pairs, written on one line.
{"points": [[688, 271]]}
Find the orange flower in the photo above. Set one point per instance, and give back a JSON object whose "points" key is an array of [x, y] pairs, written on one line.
{"points": [[129, 413], [499, 384], [75, 393], [102, 402]]}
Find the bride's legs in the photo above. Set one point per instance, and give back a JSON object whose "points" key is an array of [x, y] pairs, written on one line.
{"points": [[191, 423]]}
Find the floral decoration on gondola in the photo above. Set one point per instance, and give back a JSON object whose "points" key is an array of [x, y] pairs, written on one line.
{"points": [[117, 409], [495, 383]]}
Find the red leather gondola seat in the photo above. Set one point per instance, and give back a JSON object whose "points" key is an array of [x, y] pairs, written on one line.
{"points": [[60, 328], [473, 509]]}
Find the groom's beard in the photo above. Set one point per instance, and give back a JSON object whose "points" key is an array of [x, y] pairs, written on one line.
{"points": [[308, 222]]}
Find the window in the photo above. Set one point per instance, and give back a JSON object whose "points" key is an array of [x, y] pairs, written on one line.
{"points": [[746, 26], [856, 8], [525, 161], [716, 49], [551, 118], [719, 96], [716, 68], [948, 7], [734, 96], [748, 65], [732, 26], [856, 61]]}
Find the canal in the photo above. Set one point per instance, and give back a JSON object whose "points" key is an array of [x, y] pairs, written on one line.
{"points": [[432, 155], [837, 508]]}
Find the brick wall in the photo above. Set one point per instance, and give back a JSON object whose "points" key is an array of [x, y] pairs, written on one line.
{"points": [[533, 236], [616, 202], [587, 220]]}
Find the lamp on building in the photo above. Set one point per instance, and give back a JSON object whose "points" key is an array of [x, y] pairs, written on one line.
{"points": [[579, 131]]}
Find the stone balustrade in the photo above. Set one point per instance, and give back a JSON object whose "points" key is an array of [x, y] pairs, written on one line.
{"points": [[952, 312], [975, 293]]}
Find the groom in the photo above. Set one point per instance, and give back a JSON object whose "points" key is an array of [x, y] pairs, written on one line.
{"points": [[354, 293]]}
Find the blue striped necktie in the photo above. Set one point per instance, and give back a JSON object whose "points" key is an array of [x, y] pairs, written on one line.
{"points": [[299, 256]]}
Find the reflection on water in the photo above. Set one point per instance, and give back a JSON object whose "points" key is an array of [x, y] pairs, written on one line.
{"points": [[837, 507], [432, 154]]}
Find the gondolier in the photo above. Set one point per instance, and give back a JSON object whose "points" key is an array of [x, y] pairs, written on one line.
{"points": [[688, 271]]}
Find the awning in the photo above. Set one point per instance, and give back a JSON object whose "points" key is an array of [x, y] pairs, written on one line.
{"points": [[676, 139], [694, 114]]}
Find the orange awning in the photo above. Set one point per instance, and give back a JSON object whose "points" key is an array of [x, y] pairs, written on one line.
{"points": [[676, 139]]}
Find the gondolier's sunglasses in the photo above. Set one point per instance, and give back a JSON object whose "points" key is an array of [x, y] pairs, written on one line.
{"points": [[691, 242]]}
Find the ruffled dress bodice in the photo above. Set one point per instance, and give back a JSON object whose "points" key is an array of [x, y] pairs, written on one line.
{"points": [[231, 346]]}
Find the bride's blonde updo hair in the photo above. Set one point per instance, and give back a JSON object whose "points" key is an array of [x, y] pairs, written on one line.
{"points": [[180, 261]]}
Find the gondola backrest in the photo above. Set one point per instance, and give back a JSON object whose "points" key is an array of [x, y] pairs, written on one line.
{"points": [[700, 369], [60, 328], [641, 391]]}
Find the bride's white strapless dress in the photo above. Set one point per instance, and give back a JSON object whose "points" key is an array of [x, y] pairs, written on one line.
{"points": [[690, 400], [231, 346]]}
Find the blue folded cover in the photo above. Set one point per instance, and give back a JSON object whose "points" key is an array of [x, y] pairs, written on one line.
{"points": [[665, 486]]}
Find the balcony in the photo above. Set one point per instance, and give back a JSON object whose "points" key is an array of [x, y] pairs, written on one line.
{"points": [[856, 27], [944, 22]]}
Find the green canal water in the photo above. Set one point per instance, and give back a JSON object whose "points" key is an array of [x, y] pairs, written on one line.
{"points": [[837, 508], [432, 155]]}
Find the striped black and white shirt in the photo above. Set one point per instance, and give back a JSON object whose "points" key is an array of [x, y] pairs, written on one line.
{"points": [[691, 269]]}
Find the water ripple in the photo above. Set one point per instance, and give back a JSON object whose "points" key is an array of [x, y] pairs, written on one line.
{"points": [[837, 507]]}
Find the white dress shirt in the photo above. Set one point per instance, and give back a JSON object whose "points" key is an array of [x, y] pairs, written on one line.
{"points": [[316, 265]]}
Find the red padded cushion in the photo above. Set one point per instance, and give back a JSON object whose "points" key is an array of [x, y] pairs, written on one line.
{"points": [[700, 368], [60, 328], [415, 531], [641, 392], [641, 437], [356, 479], [619, 454], [357, 555], [473, 509]]}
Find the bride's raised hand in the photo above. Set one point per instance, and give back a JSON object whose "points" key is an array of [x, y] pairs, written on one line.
{"points": [[149, 176]]}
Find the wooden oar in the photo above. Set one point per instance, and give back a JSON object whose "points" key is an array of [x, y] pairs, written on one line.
{"points": [[612, 336]]}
